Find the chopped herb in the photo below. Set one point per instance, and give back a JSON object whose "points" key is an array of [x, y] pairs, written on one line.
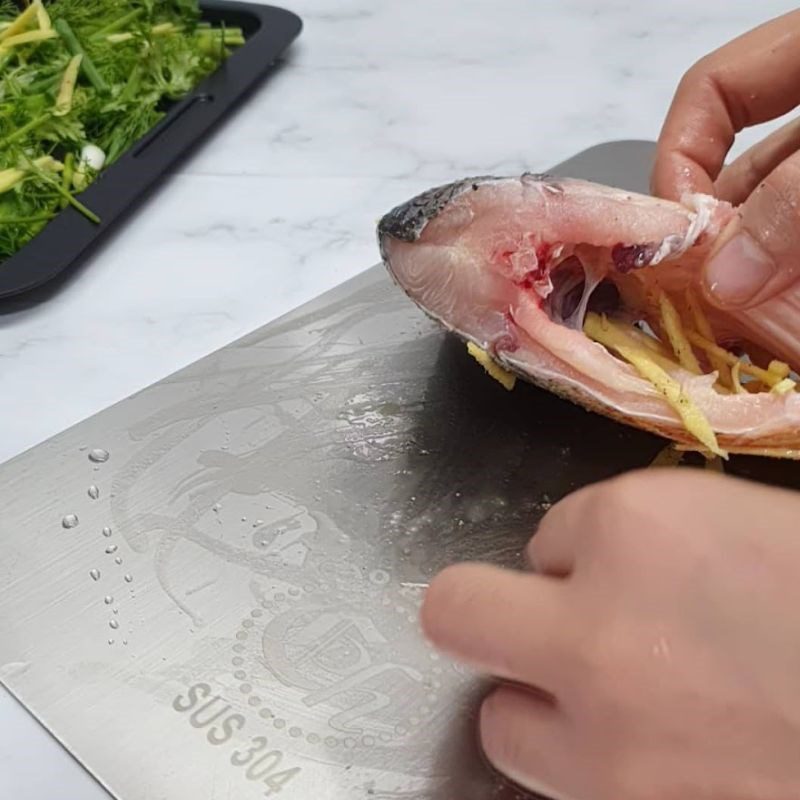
{"points": [[80, 76]]}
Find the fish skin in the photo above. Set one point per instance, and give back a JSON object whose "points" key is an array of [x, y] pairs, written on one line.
{"points": [[776, 421], [406, 221]]}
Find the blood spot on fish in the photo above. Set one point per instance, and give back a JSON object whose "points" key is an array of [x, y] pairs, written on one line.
{"points": [[627, 257], [474, 187], [506, 343], [530, 280], [543, 252]]}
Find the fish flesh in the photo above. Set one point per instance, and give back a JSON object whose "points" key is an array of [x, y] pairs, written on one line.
{"points": [[595, 294]]}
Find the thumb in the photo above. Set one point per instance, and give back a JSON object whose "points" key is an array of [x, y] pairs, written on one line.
{"points": [[758, 254]]}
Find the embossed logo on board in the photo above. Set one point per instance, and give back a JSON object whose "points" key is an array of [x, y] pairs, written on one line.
{"points": [[333, 646]]}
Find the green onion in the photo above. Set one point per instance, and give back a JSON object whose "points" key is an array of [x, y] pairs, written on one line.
{"points": [[74, 46], [118, 23]]}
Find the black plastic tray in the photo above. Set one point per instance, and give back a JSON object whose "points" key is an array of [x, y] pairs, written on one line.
{"points": [[69, 238]]}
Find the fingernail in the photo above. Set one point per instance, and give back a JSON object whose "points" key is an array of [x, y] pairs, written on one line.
{"points": [[738, 270]]}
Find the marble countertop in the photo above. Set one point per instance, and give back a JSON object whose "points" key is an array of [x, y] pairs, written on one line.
{"points": [[376, 102]]}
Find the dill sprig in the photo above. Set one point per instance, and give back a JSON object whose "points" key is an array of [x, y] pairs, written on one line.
{"points": [[128, 62]]}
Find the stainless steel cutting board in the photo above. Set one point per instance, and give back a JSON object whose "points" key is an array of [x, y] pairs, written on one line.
{"points": [[233, 611]]}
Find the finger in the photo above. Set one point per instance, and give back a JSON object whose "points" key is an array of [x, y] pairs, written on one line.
{"points": [[739, 179], [529, 742], [752, 79], [509, 624], [554, 547], [758, 256]]}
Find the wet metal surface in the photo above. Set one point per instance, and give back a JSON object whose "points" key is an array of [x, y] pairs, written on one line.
{"points": [[232, 611]]}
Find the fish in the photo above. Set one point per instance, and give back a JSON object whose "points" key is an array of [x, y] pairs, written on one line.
{"points": [[595, 294]]}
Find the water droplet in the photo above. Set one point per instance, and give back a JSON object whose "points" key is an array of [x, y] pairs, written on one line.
{"points": [[83, 448], [125, 642], [98, 455], [216, 507], [244, 519], [115, 610], [114, 624], [111, 641], [106, 532], [118, 560], [94, 574], [112, 548], [93, 492], [108, 599], [69, 521], [258, 522], [128, 578]]}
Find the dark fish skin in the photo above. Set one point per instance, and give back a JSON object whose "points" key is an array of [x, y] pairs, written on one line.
{"points": [[407, 221]]}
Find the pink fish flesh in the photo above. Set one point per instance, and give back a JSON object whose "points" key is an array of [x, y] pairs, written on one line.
{"points": [[514, 264]]}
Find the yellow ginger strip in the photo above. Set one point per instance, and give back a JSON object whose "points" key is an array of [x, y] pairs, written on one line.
{"points": [[42, 17], [118, 38], [735, 377], [27, 38], [645, 339], [21, 22], [694, 420], [164, 27], [502, 376], [784, 387], [617, 333], [673, 327], [765, 376], [9, 178], [704, 328], [779, 369], [67, 89]]}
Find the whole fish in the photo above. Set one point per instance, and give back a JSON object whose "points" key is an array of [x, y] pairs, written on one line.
{"points": [[594, 293]]}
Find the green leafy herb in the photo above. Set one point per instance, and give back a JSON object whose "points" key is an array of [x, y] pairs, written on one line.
{"points": [[78, 75]]}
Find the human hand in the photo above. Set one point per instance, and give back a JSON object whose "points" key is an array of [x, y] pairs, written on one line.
{"points": [[655, 652], [752, 79]]}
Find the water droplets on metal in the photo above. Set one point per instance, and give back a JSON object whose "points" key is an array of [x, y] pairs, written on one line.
{"points": [[118, 560], [107, 532], [93, 492], [113, 624], [98, 455], [128, 578], [108, 599], [94, 574], [112, 548], [69, 521]]}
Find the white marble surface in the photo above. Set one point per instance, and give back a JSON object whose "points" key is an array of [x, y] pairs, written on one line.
{"points": [[378, 100]]}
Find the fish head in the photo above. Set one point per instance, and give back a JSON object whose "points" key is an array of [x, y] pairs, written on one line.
{"points": [[519, 265], [461, 250]]}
